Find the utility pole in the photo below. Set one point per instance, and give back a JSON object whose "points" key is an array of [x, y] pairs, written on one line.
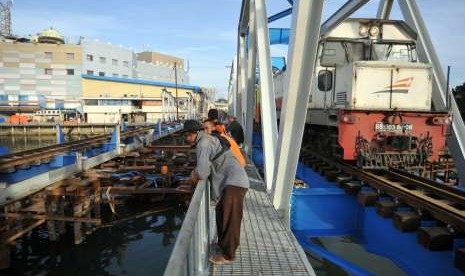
{"points": [[5, 17], [176, 84]]}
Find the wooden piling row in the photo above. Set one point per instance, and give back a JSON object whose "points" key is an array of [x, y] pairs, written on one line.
{"points": [[77, 200]]}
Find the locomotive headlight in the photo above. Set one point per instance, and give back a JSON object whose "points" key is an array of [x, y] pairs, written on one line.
{"points": [[440, 121], [363, 30], [374, 31], [349, 119]]}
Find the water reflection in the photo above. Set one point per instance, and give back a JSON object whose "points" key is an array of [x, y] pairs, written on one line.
{"points": [[9, 144], [20, 143], [139, 246]]}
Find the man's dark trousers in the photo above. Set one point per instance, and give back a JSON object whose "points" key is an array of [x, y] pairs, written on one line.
{"points": [[228, 219]]}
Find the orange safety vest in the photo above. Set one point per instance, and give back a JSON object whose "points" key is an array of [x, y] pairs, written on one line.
{"points": [[235, 150], [220, 128]]}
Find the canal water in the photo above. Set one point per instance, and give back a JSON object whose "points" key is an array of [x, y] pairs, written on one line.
{"points": [[138, 246], [9, 144], [131, 242]]}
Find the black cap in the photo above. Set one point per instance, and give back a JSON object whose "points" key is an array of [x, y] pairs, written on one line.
{"points": [[192, 126], [213, 114]]}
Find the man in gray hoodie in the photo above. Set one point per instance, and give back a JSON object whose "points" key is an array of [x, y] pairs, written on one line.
{"points": [[229, 186]]}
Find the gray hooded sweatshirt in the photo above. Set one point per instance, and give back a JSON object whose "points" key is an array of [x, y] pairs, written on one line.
{"points": [[225, 170]]}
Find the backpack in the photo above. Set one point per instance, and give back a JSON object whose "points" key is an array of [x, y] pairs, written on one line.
{"points": [[227, 143]]}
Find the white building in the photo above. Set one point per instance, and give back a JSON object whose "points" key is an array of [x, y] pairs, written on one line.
{"points": [[106, 60]]}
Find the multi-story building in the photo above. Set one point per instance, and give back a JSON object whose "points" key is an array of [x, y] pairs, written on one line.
{"points": [[161, 67], [111, 100], [45, 72], [33, 71], [106, 60], [222, 104], [161, 59], [150, 71]]}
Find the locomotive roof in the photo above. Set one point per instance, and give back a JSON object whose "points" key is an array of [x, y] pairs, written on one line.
{"points": [[391, 30]]}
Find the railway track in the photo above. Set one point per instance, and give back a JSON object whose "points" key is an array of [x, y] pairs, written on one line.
{"points": [[428, 198], [44, 154]]}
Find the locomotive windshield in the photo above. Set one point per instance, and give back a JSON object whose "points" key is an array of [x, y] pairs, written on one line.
{"points": [[392, 52], [334, 53]]}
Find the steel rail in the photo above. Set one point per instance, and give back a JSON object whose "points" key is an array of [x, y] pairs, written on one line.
{"points": [[442, 190], [90, 139], [438, 208], [171, 147], [28, 156], [20, 154]]}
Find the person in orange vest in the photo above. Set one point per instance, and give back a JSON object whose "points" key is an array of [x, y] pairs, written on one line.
{"points": [[235, 130], [210, 128], [229, 185], [213, 115]]}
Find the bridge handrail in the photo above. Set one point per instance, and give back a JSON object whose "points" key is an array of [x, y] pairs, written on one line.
{"points": [[190, 252]]}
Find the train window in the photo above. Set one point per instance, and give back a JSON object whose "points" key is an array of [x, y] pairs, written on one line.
{"points": [[332, 54], [392, 52], [325, 80], [413, 53]]}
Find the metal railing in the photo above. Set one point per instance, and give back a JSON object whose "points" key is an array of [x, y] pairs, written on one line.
{"points": [[191, 250]]}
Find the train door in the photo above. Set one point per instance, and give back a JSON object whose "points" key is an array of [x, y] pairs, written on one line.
{"points": [[332, 55]]}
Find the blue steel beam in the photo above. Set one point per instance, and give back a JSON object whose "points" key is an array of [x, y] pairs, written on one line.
{"points": [[280, 15]]}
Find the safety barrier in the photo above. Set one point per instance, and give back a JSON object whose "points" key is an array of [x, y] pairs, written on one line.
{"points": [[191, 250]]}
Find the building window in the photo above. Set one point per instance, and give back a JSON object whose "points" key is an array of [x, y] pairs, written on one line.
{"points": [[70, 72], [125, 63], [125, 76], [90, 72], [69, 56], [91, 102], [103, 59], [48, 55], [115, 75], [90, 58], [101, 74], [48, 71], [114, 61]]}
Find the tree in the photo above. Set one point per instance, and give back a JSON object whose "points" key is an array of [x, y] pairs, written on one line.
{"points": [[459, 95], [221, 100]]}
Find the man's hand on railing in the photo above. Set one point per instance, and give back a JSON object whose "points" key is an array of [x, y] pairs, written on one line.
{"points": [[194, 178]]}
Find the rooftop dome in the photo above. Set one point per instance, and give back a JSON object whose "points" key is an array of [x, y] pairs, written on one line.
{"points": [[51, 36]]}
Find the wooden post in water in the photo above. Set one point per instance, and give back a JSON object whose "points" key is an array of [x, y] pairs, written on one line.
{"points": [[77, 207], [4, 256], [98, 197], [61, 212], [50, 208]]}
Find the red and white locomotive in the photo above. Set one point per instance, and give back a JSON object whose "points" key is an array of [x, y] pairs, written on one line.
{"points": [[371, 98]]}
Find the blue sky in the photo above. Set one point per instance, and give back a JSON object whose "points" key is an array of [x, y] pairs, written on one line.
{"points": [[204, 31]]}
